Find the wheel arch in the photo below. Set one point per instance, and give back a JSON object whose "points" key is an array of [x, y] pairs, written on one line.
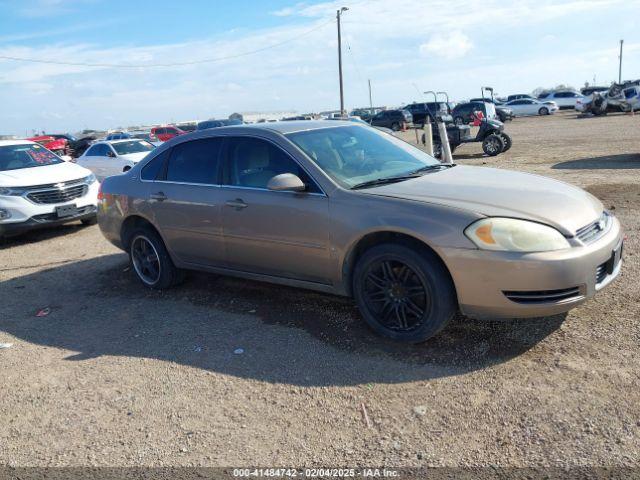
{"points": [[371, 239], [130, 224]]}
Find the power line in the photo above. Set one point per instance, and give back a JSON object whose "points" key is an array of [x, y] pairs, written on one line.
{"points": [[164, 65]]}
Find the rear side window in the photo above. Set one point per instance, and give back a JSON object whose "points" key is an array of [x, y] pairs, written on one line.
{"points": [[152, 170], [195, 162]]}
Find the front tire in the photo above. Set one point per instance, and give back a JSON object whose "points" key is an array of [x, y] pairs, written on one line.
{"points": [[151, 261], [404, 294], [395, 126], [89, 221], [492, 145], [543, 111]]}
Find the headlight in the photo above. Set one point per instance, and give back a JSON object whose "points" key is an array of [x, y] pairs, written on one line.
{"points": [[512, 235], [13, 191], [90, 179]]}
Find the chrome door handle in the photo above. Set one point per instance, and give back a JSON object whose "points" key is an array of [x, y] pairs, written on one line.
{"points": [[160, 196], [237, 204]]}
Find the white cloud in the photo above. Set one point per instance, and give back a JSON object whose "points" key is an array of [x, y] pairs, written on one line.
{"points": [[447, 45]]}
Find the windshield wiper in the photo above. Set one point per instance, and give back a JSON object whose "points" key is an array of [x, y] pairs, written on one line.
{"points": [[436, 166], [383, 181]]}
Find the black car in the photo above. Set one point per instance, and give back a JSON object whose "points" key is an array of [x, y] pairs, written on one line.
{"points": [[420, 112], [365, 114], [216, 123], [463, 112], [393, 119], [504, 113], [77, 146]]}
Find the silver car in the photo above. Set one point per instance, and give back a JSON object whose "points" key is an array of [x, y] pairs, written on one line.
{"points": [[346, 209]]}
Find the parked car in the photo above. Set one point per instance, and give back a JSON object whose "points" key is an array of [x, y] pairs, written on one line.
{"points": [[59, 146], [586, 91], [365, 114], [166, 133], [393, 119], [187, 126], [77, 146], [217, 123], [39, 189], [144, 135], [421, 111], [463, 112], [564, 99], [368, 215], [530, 106], [117, 136], [114, 156], [519, 96], [504, 114]]}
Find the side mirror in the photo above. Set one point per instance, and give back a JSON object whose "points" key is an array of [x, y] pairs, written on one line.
{"points": [[286, 182], [111, 154]]}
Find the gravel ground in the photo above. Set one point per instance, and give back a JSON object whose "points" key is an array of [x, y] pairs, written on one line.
{"points": [[119, 375]]}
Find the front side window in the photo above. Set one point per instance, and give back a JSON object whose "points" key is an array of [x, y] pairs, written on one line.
{"points": [[354, 154], [252, 162], [14, 157], [134, 146], [195, 162]]}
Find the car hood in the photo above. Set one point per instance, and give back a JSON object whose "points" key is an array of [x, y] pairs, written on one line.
{"points": [[134, 157], [45, 175], [496, 192]]}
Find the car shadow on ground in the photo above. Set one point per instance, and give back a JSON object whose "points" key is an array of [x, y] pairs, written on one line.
{"points": [[40, 234], [286, 335], [622, 161]]}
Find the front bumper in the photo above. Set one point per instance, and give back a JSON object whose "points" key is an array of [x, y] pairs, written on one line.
{"points": [[46, 220], [515, 285]]}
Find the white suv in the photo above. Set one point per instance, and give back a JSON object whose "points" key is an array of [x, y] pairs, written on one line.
{"points": [[38, 188]]}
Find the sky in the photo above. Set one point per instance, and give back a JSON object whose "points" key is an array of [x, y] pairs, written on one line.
{"points": [[404, 47]]}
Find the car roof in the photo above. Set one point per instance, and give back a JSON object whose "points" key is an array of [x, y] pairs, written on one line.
{"points": [[7, 143], [293, 125], [120, 140]]}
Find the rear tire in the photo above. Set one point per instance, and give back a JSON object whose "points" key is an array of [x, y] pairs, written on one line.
{"points": [[151, 261], [492, 145], [404, 294], [507, 141]]}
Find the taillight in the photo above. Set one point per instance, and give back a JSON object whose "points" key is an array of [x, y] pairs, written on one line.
{"points": [[100, 194]]}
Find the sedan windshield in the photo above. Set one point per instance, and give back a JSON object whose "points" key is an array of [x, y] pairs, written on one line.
{"points": [[134, 146], [14, 157], [354, 155]]}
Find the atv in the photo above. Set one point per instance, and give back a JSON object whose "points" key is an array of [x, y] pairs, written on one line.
{"points": [[491, 133]]}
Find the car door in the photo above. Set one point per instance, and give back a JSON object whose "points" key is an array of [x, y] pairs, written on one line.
{"points": [[277, 233], [185, 201], [520, 107], [92, 159], [110, 163]]}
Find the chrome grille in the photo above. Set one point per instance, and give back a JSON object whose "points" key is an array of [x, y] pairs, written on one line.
{"points": [[543, 296], [58, 195], [593, 231]]}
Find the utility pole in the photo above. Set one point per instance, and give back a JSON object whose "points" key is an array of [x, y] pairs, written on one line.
{"points": [[370, 101], [338, 15], [620, 66]]}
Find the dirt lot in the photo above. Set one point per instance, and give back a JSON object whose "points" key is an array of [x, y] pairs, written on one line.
{"points": [[119, 375]]}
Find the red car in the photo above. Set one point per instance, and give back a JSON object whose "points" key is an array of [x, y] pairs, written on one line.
{"points": [[166, 133], [59, 146]]}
